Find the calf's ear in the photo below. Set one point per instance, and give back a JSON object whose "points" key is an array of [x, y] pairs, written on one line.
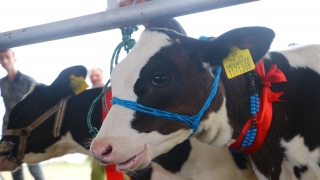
{"points": [[70, 81], [257, 39]]}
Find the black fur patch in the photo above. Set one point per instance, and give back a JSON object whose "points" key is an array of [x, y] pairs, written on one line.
{"points": [[144, 174], [171, 161], [176, 157], [299, 170], [240, 160]]}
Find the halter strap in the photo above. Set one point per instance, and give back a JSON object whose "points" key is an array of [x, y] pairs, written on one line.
{"points": [[59, 117], [23, 133]]}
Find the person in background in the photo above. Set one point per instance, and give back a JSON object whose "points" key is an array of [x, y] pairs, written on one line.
{"points": [[96, 77], [13, 87]]}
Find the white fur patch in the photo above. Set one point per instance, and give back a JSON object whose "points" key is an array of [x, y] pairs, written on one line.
{"points": [[216, 129], [66, 145], [299, 155], [205, 162], [159, 173], [116, 131], [287, 171], [304, 57]]}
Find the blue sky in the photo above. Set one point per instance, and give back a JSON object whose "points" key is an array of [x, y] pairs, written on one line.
{"points": [[293, 21]]}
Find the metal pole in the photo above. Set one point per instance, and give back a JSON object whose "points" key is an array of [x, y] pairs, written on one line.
{"points": [[112, 4], [110, 19]]}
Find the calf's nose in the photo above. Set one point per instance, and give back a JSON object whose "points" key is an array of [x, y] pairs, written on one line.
{"points": [[102, 153]]}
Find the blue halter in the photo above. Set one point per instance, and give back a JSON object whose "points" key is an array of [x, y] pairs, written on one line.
{"points": [[192, 122]]}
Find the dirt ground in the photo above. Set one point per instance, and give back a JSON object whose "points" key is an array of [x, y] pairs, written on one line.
{"points": [[58, 171]]}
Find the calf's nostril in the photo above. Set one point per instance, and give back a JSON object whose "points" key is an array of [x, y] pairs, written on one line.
{"points": [[107, 151]]}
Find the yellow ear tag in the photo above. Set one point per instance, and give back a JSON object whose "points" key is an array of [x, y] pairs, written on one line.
{"points": [[238, 62], [77, 84]]}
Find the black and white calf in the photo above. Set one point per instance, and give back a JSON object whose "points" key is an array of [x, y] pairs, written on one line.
{"points": [[188, 160], [174, 73]]}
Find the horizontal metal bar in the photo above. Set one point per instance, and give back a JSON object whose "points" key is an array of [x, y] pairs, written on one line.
{"points": [[110, 19]]}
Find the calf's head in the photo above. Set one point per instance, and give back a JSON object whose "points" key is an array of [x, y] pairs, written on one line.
{"points": [[174, 73], [36, 102]]}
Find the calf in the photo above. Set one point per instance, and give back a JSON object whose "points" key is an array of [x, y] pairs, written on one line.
{"points": [[44, 142], [169, 87]]}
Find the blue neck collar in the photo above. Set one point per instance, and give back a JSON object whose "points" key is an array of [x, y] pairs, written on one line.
{"points": [[192, 122]]}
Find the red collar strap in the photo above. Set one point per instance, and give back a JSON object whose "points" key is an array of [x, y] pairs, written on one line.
{"points": [[111, 170], [264, 116]]}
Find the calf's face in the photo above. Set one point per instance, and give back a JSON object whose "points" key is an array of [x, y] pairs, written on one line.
{"points": [[169, 72]]}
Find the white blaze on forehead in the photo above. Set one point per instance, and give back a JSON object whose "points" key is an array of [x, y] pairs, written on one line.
{"points": [[127, 72]]}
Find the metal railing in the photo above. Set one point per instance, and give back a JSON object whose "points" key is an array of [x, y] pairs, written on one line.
{"points": [[114, 17]]}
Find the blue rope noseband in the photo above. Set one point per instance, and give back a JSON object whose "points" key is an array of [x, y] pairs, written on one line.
{"points": [[192, 122]]}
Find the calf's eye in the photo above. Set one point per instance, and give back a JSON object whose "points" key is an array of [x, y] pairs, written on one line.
{"points": [[160, 79]]}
